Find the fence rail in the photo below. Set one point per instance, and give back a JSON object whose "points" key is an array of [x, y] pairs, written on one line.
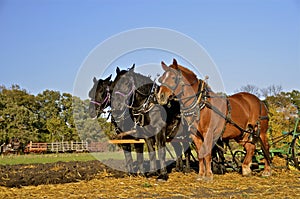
{"points": [[57, 147]]}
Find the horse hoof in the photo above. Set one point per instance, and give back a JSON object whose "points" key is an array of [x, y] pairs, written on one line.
{"points": [[151, 174], [187, 170], [208, 178], [132, 174], [200, 178], [162, 178], [266, 174], [178, 169], [247, 174], [142, 175]]}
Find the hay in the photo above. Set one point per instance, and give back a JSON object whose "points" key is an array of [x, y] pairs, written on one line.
{"points": [[282, 184]]}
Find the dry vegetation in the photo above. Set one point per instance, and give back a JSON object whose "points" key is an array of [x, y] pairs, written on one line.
{"points": [[94, 180]]}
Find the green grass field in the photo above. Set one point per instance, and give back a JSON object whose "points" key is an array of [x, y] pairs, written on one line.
{"points": [[59, 157], [64, 157]]}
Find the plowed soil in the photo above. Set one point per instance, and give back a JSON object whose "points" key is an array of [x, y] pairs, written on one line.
{"points": [[93, 179]]}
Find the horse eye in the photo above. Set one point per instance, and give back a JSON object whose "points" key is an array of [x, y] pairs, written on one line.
{"points": [[160, 79]]}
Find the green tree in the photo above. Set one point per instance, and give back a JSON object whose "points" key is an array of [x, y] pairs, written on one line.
{"points": [[46, 117], [88, 128], [18, 113], [282, 112]]}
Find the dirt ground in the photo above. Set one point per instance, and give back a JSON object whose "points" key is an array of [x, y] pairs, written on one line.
{"points": [[95, 180]]}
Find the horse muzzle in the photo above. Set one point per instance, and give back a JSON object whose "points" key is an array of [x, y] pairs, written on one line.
{"points": [[162, 98]]}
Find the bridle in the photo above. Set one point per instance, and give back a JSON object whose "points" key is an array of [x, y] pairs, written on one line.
{"points": [[179, 81], [122, 116], [106, 100], [130, 91], [199, 98], [140, 110]]}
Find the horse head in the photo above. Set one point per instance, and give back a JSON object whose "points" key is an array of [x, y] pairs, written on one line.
{"points": [[173, 81], [100, 96], [123, 86]]}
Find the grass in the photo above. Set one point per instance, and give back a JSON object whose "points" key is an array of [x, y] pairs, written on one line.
{"points": [[64, 157], [44, 158], [67, 157], [57, 157]]}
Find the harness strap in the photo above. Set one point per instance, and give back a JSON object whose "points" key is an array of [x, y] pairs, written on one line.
{"points": [[227, 119], [201, 90], [197, 133], [228, 116]]}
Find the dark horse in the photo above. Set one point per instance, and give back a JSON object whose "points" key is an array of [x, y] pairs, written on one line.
{"points": [[242, 117], [125, 119], [100, 95], [134, 96]]}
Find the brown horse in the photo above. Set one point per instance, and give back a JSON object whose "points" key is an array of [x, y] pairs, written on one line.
{"points": [[242, 117]]}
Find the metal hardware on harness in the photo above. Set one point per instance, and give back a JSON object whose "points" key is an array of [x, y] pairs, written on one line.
{"points": [[201, 90]]}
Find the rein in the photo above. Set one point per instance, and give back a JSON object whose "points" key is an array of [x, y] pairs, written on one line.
{"points": [[138, 111], [178, 81], [199, 102], [145, 107], [192, 110]]}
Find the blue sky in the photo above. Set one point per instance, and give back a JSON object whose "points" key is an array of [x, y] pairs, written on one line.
{"points": [[44, 43]]}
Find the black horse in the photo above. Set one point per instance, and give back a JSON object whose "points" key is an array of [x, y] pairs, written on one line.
{"points": [[126, 117], [134, 96], [100, 95]]}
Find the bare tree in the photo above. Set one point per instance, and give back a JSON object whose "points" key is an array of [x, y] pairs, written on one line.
{"points": [[250, 89], [272, 90]]}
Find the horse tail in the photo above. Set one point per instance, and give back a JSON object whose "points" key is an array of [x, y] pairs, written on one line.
{"points": [[263, 126], [264, 111]]}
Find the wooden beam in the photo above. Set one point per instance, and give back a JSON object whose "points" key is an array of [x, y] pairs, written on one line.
{"points": [[129, 141], [121, 135]]}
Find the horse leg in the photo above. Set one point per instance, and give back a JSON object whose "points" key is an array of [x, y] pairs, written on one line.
{"points": [[178, 150], [128, 158], [140, 157], [265, 143], [209, 173], [152, 156], [206, 152], [250, 149], [187, 155], [161, 146], [157, 127], [198, 144]]}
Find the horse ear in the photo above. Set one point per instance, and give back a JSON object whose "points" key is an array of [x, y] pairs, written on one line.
{"points": [[132, 68], [95, 80], [164, 66], [108, 78], [175, 63], [118, 70]]}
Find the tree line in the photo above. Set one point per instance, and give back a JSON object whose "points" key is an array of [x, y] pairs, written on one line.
{"points": [[53, 116], [49, 116]]}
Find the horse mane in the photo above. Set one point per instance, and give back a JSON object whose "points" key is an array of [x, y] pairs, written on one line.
{"points": [[145, 82], [142, 78], [189, 75]]}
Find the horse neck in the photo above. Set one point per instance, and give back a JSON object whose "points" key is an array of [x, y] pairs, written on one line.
{"points": [[189, 93], [141, 95]]}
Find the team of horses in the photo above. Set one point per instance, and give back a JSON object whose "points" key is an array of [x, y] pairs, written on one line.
{"points": [[182, 105]]}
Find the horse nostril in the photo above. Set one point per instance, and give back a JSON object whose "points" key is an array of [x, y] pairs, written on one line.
{"points": [[162, 96]]}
